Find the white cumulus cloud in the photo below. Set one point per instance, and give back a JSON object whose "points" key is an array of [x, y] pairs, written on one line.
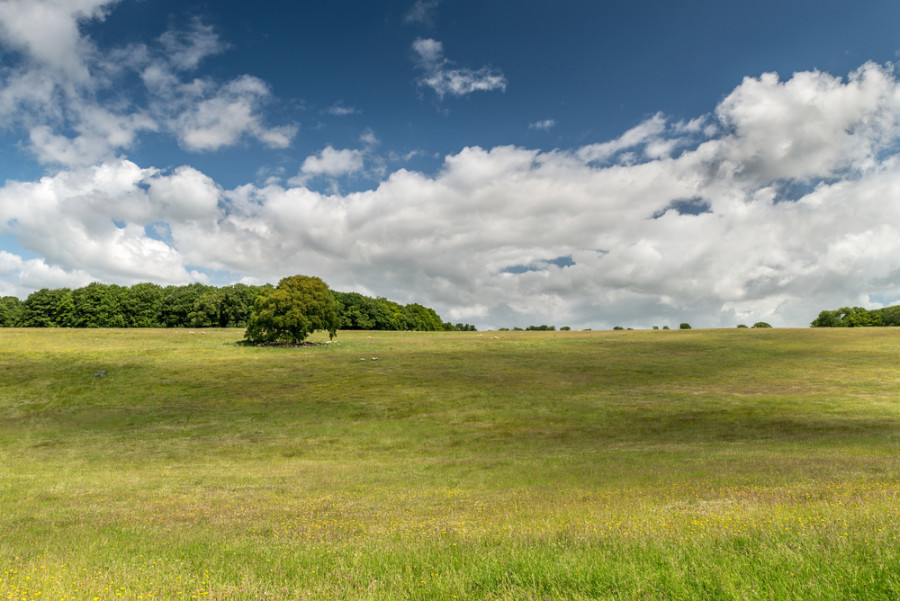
{"points": [[439, 74], [721, 220], [47, 31], [422, 12], [544, 124], [52, 88], [223, 117], [339, 110], [187, 49], [331, 163]]}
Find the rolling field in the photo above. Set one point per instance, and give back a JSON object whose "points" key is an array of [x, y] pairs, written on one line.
{"points": [[701, 464]]}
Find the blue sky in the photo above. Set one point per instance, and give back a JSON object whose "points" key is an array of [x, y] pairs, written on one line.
{"points": [[579, 163], [595, 69]]}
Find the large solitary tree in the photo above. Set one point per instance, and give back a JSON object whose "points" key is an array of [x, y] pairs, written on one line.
{"points": [[297, 307]]}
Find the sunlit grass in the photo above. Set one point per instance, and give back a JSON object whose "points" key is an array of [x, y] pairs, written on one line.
{"points": [[737, 464]]}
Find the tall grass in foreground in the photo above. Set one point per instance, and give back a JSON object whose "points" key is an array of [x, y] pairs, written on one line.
{"points": [[740, 464]]}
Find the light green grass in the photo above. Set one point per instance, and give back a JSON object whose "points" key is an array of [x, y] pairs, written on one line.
{"points": [[738, 464]]}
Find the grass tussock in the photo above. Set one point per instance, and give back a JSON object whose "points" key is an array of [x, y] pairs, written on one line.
{"points": [[171, 464]]}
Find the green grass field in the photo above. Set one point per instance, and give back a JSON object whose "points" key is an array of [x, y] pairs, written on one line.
{"points": [[702, 464]]}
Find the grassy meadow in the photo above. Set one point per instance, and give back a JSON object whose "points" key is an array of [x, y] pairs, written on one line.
{"points": [[701, 464]]}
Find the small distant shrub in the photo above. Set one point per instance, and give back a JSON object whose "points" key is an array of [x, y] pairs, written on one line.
{"points": [[655, 327], [503, 330], [565, 329], [618, 328], [665, 327], [685, 326], [742, 326], [761, 324]]}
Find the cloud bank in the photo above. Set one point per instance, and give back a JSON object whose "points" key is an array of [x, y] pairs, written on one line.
{"points": [[785, 201]]}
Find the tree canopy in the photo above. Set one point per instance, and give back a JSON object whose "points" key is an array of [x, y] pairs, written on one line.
{"points": [[297, 307], [10, 310], [47, 309], [857, 317], [148, 305]]}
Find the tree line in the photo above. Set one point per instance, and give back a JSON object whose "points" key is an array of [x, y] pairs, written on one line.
{"points": [[855, 317], [148, 305]]}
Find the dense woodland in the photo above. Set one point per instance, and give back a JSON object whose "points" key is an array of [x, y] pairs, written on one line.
{"points": [[196, 306], [854, 317]]}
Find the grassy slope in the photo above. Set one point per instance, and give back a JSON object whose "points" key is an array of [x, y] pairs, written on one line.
{"points": [[732, 464]]}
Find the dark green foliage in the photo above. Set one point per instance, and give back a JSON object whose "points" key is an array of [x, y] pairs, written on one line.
{"points": [[178, 304], [618, 328], [148, 305], [205, 313], [360, 312], [890, 316], [685, 326], [761, 324], [565, 329], [742, 325], [391, 316], [857, 317], [297, 307], [48, 309], [141, 306], [98, 306], [357, 312], [226, 307], [422, 319], [237, 303], [826, 319], [10, 311], [541, 328]]}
